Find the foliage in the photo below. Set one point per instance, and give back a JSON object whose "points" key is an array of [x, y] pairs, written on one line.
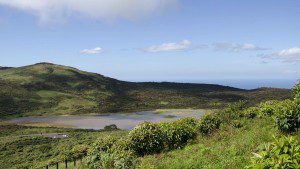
{"points": [[79, 151], [177, 134], [33, 151], [111, 127], [117, 159], [233, 111], [100, 145], [146, 138], [282, 153], [250, 112], [230, 148], [237, 123], [288, 116], [208, 123], [110, 152], [111, 158], [268, 108], [296, 90]]}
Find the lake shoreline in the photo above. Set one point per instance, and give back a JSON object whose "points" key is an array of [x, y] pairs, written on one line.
{"points": [[125, 121]]}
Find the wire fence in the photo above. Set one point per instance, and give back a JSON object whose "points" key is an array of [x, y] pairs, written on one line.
{"points": [[72, 164]]}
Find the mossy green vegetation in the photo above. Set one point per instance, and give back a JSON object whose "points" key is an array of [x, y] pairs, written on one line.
{"points": [[47, 89], [169, 116], [281, 153], [20, 151], [235, 133], [296, 90], [228, 147], [225, 139]]}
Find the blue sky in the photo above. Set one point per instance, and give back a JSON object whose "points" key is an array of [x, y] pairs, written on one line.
{"points": [[156, 40]]}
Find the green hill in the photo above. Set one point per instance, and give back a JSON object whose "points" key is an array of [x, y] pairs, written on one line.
{"points": [[49, 89]]}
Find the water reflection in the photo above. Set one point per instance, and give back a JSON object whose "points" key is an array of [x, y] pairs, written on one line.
{"points": [[125, 121]]}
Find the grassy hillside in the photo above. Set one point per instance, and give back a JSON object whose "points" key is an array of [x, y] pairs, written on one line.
{"points": [[229, 145], [226, 138], [49, 89], [19, 151]]}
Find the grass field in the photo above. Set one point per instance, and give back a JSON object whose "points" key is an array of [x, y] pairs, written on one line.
{"points": [[19, 152], [230, 148]]}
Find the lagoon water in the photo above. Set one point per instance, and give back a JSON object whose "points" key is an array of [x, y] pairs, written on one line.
{"points": [[124, 121]]}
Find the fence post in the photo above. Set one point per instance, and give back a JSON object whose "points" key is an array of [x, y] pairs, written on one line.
{"points": [[66, 163], [56, 164], [74, 162], [47, 167]]}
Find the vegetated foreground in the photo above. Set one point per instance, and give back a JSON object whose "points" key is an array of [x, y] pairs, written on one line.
{"points": [[49, 89], [264, 136]]}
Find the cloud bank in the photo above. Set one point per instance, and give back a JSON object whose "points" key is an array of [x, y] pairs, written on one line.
{"points": [[235, 47], [52, 11], [91, 51], [287, 55], [183, 45]]}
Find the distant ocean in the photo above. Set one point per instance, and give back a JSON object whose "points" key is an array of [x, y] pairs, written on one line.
{"points": [[253, 83]]}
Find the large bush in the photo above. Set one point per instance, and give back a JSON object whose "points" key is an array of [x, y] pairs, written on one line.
{"points": [[79, 151], [146, 138], [250, 112], [177, 134], [233, 111], [99, 146], [110, 152], [117, 159], [288, 116], [296, 90], [268, 108], [282, 153], [208, 123]]}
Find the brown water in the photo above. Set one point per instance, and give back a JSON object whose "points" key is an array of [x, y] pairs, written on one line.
{"points": [[125, 121]]}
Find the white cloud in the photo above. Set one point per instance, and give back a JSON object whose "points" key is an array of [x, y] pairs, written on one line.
{"points": [[235, 47], [288, 55], [52, 11], [184, 45], [290, 71], [92, 51]]}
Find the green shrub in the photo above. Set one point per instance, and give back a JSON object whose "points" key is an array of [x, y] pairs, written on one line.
{"points": [[296, 90], [79, 151], [233, 111], [237, 123], [177, 134], [146, 138], [117, 159], [208, 123], [122, 144], [188, 121], [250, 112], [268, 108], [105, 143], [100, 146], [65, 155], [111, 127], [110, 152], [288, 116], [282, 153]]}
